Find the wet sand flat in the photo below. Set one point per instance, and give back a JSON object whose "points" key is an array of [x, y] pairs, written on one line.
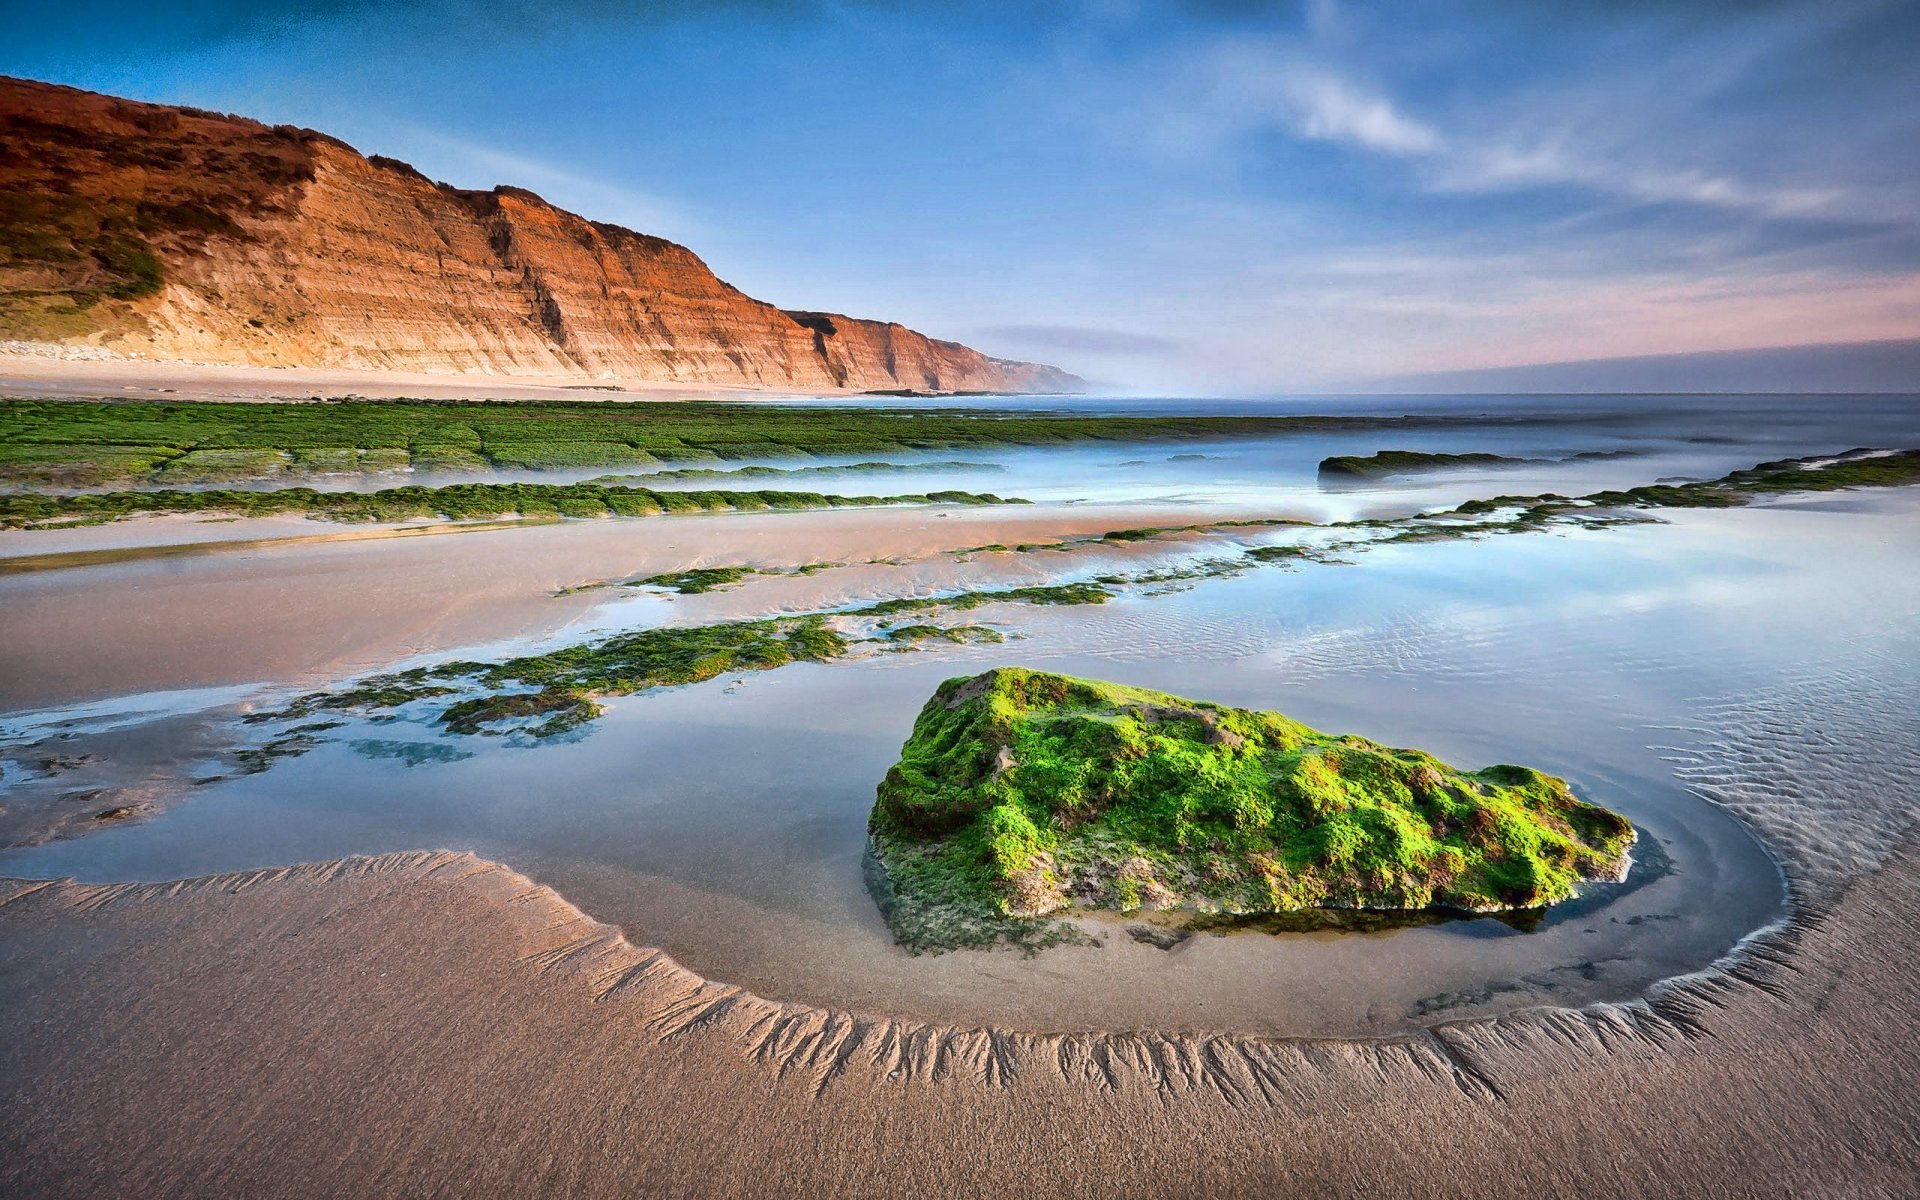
{"points": [[434, 1023], [317, 609], [489, 1019]]}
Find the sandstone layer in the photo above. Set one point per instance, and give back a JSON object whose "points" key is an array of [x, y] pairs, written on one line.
{"points": [[177, 234]]}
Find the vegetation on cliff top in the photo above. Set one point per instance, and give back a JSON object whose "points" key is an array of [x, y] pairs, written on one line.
{"points": [[1021, 794]]}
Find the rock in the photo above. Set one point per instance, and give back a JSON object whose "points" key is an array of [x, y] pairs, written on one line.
{"points": [[1128, 799]]}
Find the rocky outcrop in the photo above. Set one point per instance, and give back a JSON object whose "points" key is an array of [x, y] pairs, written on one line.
{"points": [[181, 234]]}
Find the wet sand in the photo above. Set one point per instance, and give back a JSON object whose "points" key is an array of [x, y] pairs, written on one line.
{"points": [[209, 608], [430, 1023]]}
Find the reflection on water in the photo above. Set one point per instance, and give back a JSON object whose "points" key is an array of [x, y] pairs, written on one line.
{"points": [[1650, 437], [726, 822]]}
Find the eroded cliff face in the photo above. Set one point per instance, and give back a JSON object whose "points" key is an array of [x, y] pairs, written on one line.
{"points": [[180, 234]]}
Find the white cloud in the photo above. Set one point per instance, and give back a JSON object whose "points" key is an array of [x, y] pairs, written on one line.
{"points": [[1635, 131], [1328, 108]]}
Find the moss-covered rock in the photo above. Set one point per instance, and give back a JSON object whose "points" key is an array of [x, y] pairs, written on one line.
{"points": [[1022, 794]]}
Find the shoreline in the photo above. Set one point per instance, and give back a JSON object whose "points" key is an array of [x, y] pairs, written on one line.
{"points": [[606, 958], [415, 595], [445, 1031], [52, 376]]}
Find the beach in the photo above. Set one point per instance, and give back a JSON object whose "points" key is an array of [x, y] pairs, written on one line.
{"points": [[431, 1022], [643, 958]]}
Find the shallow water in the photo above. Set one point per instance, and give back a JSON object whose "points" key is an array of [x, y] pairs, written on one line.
{"points": [[1654, 437], [725, 822]]}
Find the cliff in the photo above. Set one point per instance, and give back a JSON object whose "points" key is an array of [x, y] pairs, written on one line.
{"points": [[182, 234]]}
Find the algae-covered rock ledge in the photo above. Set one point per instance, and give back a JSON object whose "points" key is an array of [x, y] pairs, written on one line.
{"points": [[1022, 796]]}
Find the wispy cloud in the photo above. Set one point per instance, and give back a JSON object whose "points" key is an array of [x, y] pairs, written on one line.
{"points": [[1634, 135], [1329, 108]]}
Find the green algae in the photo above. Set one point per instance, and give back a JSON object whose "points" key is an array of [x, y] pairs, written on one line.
{"points": [[695, 581], [455, 502], [1384, 464], [692, 474], [94, 442], [568, 680], [959, 634], [558, 691], [1045, 594], [1022, 794], [562, 709]]}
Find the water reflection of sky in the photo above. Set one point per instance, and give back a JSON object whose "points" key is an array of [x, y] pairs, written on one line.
{"points": [[1655, 437], [725, 822]]}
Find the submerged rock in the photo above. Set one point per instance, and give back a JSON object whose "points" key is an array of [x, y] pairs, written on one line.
{"points": [[1022, 794]]}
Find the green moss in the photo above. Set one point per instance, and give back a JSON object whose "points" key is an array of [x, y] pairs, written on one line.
{"points": [[563, 709], [484, 435], [220, 466], [457, 502], [909, 634], [1049, 594], [1286, 553], [664, 657], [697, 580], [293, 743], [565, 682], [690, 474], [1023, 793], [1386, 463]]}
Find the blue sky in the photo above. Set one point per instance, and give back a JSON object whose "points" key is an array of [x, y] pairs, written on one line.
{"points": [[1211, 195]]}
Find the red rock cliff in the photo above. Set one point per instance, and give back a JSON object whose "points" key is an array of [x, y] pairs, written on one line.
{"points": [[184, 234]]}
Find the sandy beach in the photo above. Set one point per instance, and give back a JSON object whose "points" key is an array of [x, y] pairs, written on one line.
{"points": [[353, 598], [55, 372], [647, 965], [432, 1023]]}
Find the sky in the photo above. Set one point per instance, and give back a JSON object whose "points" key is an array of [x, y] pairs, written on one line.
{"points": [[1210, 195]]}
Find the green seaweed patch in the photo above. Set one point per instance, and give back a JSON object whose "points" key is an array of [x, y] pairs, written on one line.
{"points": [[379, 691], [252, 760], [1045, 594], [561, 710], [1025, 795], [1281, 554], [907, 635], [692, 474], [696, 581], [1384, 464], [453, 502], [562, 686], [1855, 469], [83, 441], [668, 657]]}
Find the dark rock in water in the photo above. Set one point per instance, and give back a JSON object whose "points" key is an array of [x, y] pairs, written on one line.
{"points": [[1387, 463], [1154, 935]]}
